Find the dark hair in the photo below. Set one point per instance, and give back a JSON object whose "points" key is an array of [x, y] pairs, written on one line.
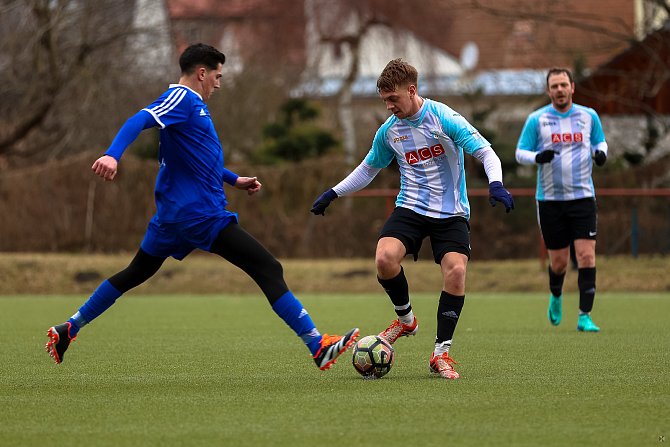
{"points": [[200, 54], [396, 73], [559, 70]]}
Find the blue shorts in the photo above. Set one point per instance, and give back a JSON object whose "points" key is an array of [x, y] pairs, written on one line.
{"points": [[178, 239]]}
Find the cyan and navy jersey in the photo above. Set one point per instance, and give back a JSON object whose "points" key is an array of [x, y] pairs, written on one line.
{"points": [[429, 151], [190, 179], [574, 136]]}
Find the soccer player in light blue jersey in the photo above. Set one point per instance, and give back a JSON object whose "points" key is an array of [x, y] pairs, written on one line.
{"points": [[564, 139], [428, 141], [191, 209]]}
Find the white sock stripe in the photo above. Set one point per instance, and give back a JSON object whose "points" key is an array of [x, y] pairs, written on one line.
{"points": [[403, 307], [441, 348]]}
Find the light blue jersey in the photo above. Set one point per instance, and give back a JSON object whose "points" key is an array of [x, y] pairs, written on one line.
{"points": [[574, 136], [429, 151]]}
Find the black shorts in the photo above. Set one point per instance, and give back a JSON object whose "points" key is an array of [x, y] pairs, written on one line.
{"points": [[561, 222], [446, 235]]}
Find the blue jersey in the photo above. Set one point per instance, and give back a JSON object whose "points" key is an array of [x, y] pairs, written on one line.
{"points": [[191, 175], [573, 136], [429, 151]]}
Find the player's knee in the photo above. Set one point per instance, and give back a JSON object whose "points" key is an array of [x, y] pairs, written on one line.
{"points": [[454, 275], [586, 259], [559, 266], [131, 277], [269, 275], [273, 268], [387, 265]]}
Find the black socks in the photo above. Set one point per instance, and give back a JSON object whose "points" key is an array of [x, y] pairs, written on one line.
{"points": [[398, 290], [586, 281], [555, 282], [448, 312]]}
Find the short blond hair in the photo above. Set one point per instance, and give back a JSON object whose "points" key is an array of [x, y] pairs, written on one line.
{"points": [[397, 73]]}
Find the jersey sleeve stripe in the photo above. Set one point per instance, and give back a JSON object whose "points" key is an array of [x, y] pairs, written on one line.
{"points": [[158, 120], [167, 100], [170, 102]]}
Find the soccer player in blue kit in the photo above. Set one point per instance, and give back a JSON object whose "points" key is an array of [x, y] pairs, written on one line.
{"points": [[564, 139], [427, 139], [191, 209]]}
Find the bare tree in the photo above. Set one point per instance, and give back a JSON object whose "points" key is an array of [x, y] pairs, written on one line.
{"points": [[62, 64], [341, 26], [344, 36]]}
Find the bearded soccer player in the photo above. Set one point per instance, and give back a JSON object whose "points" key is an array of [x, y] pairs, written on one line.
{"points": [[427, 139], [564, 140], [191, 209]]}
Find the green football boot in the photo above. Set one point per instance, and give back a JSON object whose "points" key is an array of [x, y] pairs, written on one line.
{"points": [[555, 311], [585, 324]]}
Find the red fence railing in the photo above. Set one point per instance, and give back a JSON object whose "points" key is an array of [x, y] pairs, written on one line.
{"points": [[389, 194]]}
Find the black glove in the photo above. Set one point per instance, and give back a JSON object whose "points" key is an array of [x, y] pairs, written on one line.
{"points": [[321, 203], [600, 157], [498, 193], [544, 156]]}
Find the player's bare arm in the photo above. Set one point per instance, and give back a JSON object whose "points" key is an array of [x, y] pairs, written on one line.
{"points": [[250, 184], [106, 167]]}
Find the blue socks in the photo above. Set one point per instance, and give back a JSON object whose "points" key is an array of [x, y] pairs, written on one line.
{"points": [[101, 300], [76, 322], [287, 307], [291, 311]]}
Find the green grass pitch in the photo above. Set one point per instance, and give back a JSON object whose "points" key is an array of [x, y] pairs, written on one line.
{"points": [[211, 370]]}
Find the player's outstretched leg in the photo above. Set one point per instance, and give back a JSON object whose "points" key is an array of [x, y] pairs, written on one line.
{"points": [[332, 346], [443, 365], [59, 341], [397, 329], [555, 310], [585, 324]]}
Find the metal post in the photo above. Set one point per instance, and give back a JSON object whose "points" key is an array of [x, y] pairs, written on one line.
{"points": [[634, 233]]}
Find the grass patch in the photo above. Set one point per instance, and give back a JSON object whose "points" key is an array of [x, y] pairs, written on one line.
{"points": [[224, 370]]}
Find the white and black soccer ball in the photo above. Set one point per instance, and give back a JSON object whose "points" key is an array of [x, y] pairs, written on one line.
{"points": [[373, 357]]}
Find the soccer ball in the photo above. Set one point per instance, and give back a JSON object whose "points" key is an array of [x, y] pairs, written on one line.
{"points": [[373, 357]]}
